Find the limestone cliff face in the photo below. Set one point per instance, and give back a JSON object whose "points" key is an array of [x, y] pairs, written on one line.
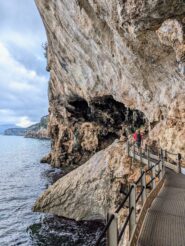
{"points": [[132, 50], [111, 63]]}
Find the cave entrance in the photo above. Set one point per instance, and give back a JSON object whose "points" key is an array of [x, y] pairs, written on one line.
{"points": [[105, 111], [110, 115], [114, 114], [78, 109], [94, 125]]}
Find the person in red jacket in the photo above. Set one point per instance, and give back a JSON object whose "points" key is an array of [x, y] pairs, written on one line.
{"points": [[137, 138]]}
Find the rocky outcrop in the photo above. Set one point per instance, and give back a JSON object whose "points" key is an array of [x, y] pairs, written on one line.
{"points": [[4, 127], [89, 191], [130, 50], [90, 128], [15, 131], [46, 159], [39, 130], [42, 133]]}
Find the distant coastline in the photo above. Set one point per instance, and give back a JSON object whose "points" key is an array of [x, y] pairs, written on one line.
{"points": [[39, 130]]}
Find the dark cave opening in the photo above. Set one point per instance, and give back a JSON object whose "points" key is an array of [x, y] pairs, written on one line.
{"points": [[116, 113], [93, 126], [108, 113], [105, 111], [79, 109]]}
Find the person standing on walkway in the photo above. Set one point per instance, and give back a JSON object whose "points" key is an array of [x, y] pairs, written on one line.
{"points": [[138, 138]]}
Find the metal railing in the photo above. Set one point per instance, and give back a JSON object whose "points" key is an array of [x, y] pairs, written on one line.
{"points": [[155, 170]]}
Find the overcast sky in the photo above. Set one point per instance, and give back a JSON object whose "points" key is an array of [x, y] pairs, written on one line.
{"points": [[23, 79]]}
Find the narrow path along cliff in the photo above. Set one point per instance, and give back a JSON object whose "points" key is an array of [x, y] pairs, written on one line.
{"points": [[114, 67]]}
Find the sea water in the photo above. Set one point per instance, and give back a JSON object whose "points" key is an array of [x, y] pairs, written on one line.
{"points": [[22, 180]]}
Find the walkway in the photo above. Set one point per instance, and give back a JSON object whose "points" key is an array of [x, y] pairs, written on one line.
{"points": [[161, 221], [164, 224]]}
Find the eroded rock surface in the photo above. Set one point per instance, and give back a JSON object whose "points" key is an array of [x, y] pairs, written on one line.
{"points": [[170, 132], [171, 33], [90, 128], [89, 191], [132, 50], [105, 57]]}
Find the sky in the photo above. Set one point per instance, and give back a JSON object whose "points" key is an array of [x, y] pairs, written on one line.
{"points": [[23, 78]]}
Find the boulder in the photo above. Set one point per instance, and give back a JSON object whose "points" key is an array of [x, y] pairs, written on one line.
{"points": [[46, 159], [88, 192]]}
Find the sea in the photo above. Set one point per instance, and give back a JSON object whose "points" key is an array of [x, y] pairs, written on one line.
{"points": [[22, 179]]}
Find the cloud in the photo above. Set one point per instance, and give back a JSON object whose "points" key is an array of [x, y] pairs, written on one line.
{"points": [[23, 79], [24, 122], [10, 116], [22, 90]]}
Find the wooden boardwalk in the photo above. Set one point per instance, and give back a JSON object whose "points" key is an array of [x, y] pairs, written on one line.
{"points": [[164, 224]]}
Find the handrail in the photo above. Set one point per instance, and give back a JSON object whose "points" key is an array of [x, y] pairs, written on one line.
{"points": [[144, 186], [125, 199], [112, 217], [152, 179], [104, 230], [125, 224], [140, 193], [140, 177], [149, 169], [171, 153], [157, 163], [157, 175], [159, 150]]}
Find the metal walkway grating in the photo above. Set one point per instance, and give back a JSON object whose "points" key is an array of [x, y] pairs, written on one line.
{"points": [[164, 224]]}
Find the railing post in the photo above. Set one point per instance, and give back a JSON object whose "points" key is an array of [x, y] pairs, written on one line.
{"points": [[148, 156], [143, 185], [112, 234], [163, 166], [161, 169], [179, 163], [132, 204], [153, 176]]}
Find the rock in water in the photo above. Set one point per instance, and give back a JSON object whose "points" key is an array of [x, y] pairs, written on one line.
{"points": [[46, 159], [89, 191]]}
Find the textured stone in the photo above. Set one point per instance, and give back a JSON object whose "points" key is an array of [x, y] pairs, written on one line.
{"points": [[46, 159], [170, 132], [171, 33], [89, 191], [121, 48], [129, 50]]}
